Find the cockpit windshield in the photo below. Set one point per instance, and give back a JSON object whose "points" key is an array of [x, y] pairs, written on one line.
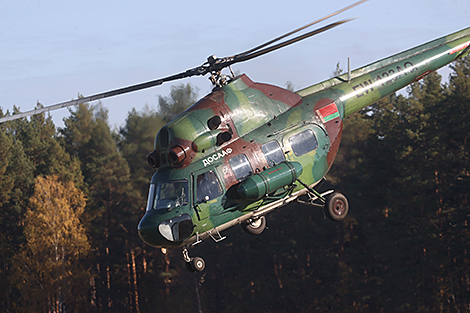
{"points": [[168, 194]]}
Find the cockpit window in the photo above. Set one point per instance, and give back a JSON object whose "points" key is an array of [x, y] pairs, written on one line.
{"points": [[151, 197], [167, 195]]}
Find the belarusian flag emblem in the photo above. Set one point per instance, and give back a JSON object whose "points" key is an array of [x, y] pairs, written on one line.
{"points": [[328, 113]]}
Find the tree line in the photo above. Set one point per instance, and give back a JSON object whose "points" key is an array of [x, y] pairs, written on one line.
{"points": [[71, 199]]}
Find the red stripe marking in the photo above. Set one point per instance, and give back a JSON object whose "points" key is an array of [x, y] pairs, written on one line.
{"points": [[460, 47], [274, 171]]}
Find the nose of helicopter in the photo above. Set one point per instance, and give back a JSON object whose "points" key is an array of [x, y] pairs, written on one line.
{"points": [[148, 230], [165, 230]]}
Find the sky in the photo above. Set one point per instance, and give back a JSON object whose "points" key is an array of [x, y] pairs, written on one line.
{"points": [[51, 51]]}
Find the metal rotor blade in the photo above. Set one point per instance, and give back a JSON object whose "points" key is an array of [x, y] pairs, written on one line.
{"points": [[211, 66], [288, 42], [298, 29], [201, 70]]}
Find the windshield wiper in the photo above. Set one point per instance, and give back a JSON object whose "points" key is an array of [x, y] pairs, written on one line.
{"points": [[178, 202]]}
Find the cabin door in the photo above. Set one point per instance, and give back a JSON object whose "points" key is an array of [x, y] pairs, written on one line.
{"points": [[207, 193]]}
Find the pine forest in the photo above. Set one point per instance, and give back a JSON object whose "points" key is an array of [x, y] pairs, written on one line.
{"points": [[71, 199]]}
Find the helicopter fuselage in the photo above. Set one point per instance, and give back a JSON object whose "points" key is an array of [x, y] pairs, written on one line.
{"points": [[273, 135], [248, 148]]}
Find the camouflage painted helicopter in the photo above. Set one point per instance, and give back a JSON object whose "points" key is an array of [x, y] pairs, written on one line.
{"points": [[249, 148]]}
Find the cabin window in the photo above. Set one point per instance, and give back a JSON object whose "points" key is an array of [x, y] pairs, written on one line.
{"points": [[273, 153], [207, 187], [303, 142], [240, 166]]}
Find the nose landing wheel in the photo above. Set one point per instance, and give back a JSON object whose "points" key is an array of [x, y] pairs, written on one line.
{"points": [[194, 265], [197, 264]]}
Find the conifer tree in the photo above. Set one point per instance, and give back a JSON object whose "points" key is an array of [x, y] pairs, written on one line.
{"points": [[109, 215], [6, 182], [181, 97], [458, 116], [6, 186], [17, 181], [42, 146], [137, 139], [455, 229]]}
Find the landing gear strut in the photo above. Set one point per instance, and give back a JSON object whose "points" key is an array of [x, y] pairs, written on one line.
{"points": [[194, 265], [334, 203]]}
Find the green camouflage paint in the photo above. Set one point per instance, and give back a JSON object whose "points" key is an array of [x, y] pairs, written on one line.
{"points": [[241, 117]]}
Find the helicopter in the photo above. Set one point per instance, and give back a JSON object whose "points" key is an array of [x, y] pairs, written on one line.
{"points": [[248, 148]]}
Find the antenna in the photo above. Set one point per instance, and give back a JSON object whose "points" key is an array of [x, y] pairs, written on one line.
{"points": [[349, 70]]}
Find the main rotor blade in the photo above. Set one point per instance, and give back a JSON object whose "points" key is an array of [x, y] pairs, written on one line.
{"points": [[192, 72], [298, 29], [212, 66], [288, 42]]}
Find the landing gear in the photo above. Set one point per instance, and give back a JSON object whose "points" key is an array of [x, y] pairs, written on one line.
{"points": [[194, 265], [255, 226], [334, 203], [336, 207]]}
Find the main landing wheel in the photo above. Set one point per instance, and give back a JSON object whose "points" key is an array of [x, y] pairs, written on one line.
{"points": [[255, 227], [336, 207]]}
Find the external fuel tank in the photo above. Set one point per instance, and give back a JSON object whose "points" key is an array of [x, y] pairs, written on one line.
{"points": [[270, 180]]}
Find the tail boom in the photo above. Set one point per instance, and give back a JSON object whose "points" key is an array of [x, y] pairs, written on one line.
{"points": [[370, 83]]}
